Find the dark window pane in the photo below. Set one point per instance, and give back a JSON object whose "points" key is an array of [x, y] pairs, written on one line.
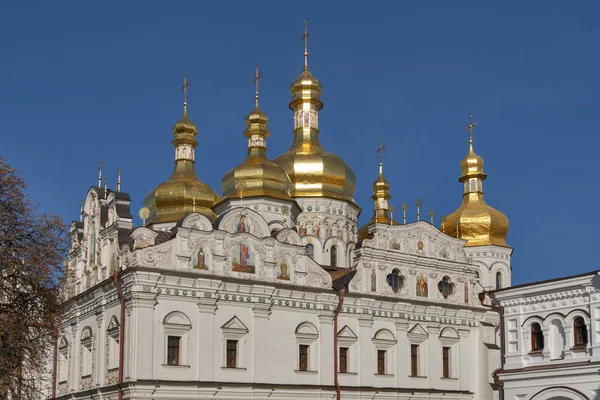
{"points": [[414, 359], [381, 362], [343, 359], [232, 353], [303, 357], [446, 362], [173, 350]]}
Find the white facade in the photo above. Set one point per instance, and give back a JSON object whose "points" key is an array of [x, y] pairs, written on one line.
{"points": [[552, 339], [412, 342]]}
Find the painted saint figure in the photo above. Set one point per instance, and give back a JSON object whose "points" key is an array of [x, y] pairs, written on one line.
{"points": [[373, 281], [421, 287], [302, 230], [244, 255], [316, 229], [283, 271], [241, 225], [201, 260]]}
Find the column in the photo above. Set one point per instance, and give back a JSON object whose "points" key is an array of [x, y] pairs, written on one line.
{"points": [[207, 342], [326, 347], [139, 337], [100, 378], [262, 348], [402, 352], [366, 361]]}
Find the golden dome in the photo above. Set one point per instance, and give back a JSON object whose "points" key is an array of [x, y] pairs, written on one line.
{"points": [[381, 210], [183, 192], [256, 175], [475, 221], [313, 171]]}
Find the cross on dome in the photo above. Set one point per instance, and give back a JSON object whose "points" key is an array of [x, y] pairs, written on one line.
{"points": [[304, 38]]}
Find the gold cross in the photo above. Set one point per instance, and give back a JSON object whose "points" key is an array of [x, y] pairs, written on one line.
{"points": [[380, 151], [470, 128], [257, 78], [184, 90], [305, 40]]}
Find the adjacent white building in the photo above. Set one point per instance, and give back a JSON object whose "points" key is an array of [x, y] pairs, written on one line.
{"points": [[271, 290], [551, 339]]}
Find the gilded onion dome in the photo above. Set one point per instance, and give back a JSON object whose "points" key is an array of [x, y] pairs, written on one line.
{"points": [[475, 221], [183, 192], [256, 175], [313, 171], [381, 208]]}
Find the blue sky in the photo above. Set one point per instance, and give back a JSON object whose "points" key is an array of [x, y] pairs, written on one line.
{"points": [[88, 81]]}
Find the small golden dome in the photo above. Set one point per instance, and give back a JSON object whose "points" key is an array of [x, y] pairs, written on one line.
{"points": [[381, 210], [256, 175], [475, 221], [313, 171], [183, 192]]}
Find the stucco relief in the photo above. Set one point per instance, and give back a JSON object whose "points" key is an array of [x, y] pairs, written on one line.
{"points": [[158, 256]]}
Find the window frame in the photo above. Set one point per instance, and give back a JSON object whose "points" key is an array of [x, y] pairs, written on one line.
{"points": [[333, 256], [307, 334], [419, 337], [498, 280], [177, 323], [381, 361], [395, 277], [385, 340], [446, 361], [303, 357], [231, 358], [579, 326], [177, 348], [537, 334], [234, 330], [343, 355]]}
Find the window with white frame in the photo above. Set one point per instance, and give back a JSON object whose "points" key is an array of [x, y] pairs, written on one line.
{"points": [[449, 354], [417, 337], [86, 359], [63, 361], [112, 341], [307, 337], [176, 325], [233, 333], [384, 343], [347, 350]]}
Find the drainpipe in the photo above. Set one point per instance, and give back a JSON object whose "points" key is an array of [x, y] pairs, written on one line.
{"points": [[121, 333], [55, 357], [335, 346], [499, 310]]}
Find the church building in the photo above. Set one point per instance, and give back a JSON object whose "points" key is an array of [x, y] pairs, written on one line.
{"points": [[271, 289]]}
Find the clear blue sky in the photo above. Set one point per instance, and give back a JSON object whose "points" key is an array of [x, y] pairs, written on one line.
{"points": [[85, 81]]}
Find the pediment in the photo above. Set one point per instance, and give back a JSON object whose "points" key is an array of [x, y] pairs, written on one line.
{"points": [[417, 330], [114, 324], [244, 220], [418, 238], [63, 343], [234, 324], [143, 237], [347, 333], [197, 221]]}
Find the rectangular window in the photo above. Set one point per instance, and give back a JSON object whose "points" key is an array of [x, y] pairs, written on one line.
{"points": [[381, 362], [446, 362], [303, 364], [343, 359], [414, 360], [232, 353], [173, 350]]}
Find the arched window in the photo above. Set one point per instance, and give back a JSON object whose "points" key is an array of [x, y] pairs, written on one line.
{"points": [[498, 280], [537, 337], [445, 287], [92, 244], [310, 250], [333, 262], [395, 280], [580, 332]]}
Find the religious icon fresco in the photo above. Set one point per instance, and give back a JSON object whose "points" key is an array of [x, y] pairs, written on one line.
{"points": [[243, 258], [420, 246], [302, 230], [422, 287], [316, 229], [395, 245], [201, 260], [240, 227], [373, 281], [283, 271]]}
